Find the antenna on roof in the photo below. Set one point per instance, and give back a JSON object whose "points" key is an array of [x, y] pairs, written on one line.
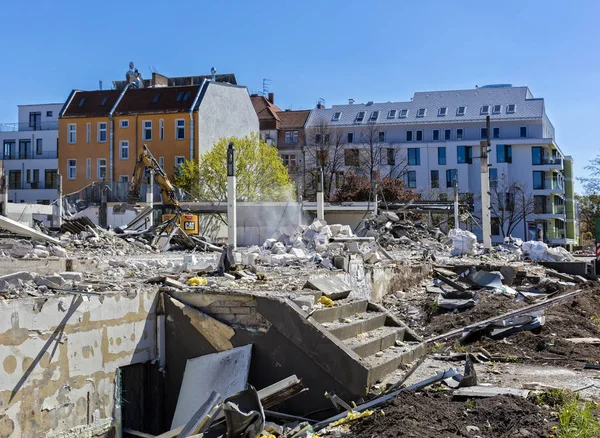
{"points": [[266, 83]]}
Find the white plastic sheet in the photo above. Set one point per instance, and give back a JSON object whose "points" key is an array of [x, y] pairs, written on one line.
{"points": [[463, 242]]}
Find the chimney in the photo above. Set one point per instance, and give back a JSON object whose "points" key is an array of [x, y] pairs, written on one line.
{"points": [[272, 98], [350, 101], [320, 106]]}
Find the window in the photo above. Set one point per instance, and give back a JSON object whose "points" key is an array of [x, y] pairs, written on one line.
{"points": [[495, 225], [496, 132], [48, 113], [421, 112], [374, 116], [360, 116], [125, 123], [391, 157], [503, 153], [483, 133], [350, 137], [28, 177], [523, 132], [88, 133], [464, 155], [124, 149], [102, 132], [179, 162], [351, 157], [14, 179], [101, 168], [435, 179], [88, 168], [36, 176], [81, 102], [447, 134], [391, 114], [161, 129], [539, 204], [104, 100], [538, 180], [414, 156], [496, 109], [443, 111], [459, 134], [147, 135], [493, 177], [187, 96], [509, 201], [291, 137], [442, 156], [451, 176], [25, 149], [289, 161], [179, 129], [336, 117], [38, 146], [180, 96], [403, 113], [410, 179], [9, 149], [72, 136], [123, 178], [339, 179], [318, 138], [436, 134], [161, 162], [537, 155], [510, 108], [485, 110], [409, 135], [381, 136], [71, 169], [419, 135], [156, 97], [460, 111]]}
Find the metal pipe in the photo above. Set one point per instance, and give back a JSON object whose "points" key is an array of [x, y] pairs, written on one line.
{"points": [[352, 239]]}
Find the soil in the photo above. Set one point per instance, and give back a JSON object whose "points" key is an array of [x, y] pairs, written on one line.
{"points": [[436, 414]]}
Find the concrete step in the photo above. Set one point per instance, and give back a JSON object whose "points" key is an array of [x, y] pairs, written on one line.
{"points": [[369, 343], [340, 310], [358, 323], [390, 360]]}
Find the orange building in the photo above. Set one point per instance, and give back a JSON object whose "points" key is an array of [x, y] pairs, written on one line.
{"points": [[101, 133]]}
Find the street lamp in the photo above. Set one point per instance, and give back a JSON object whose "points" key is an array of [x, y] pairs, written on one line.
{"points": [[524, 212]]}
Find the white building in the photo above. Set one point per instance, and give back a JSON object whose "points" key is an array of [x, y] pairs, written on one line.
{"points": [[435, 138], [30, 159]]}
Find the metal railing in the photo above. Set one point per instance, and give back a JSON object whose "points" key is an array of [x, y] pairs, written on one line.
{"points": [[548, 208], [556, 234], [31, 156], [39, 126], [38, 185]]}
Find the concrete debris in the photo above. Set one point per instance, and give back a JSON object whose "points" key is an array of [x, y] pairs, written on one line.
{"points": [[539, 251]]}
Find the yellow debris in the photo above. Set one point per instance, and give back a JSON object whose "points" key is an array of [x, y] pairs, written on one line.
{"points": [[352, 415], [197, 281], [327, 302]]}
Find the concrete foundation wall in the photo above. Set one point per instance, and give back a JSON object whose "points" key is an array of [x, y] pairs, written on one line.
{"points": [[60, 356]]}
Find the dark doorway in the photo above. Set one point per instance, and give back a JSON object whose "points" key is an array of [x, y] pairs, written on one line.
{"points": [[142, 398]]}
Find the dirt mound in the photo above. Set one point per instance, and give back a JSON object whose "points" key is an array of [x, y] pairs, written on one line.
{"points": [[435, 414]]}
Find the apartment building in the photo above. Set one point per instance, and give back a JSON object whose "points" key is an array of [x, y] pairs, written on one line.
{"points": [[433, 141], [268, 117], [101, 133], [29, 155]]}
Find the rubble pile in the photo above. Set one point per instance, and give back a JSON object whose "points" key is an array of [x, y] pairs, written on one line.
{"points": [[103, 243], [23, 284], [24, 249]]}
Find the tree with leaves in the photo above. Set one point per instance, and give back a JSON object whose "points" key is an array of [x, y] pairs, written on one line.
{"points": [[511, 204], [589, 210], [261, 175]]}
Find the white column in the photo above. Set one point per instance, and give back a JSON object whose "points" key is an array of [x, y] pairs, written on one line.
{"points": [[320, 198], [486, 223], [150, 196], [59, 202], [231, 198]]}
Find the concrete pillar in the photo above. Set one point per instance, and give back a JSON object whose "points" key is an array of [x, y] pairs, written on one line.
{"points": [[4, 194], [150, 196], [58, 210], [231, 198], [456, 218], [486, 223], [320, 198]]}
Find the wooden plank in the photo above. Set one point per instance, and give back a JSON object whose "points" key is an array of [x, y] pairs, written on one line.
{"points": [[592, 341], [488, 391], [450, 282]]}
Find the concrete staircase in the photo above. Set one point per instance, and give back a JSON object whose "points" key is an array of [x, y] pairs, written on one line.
{"points": [[379, 341]]}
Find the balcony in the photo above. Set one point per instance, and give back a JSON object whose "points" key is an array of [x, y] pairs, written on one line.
{"points": [[31, 156], [556, 236], [39, 126]]}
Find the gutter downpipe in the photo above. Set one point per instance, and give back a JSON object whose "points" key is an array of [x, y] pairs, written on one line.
{"points": [[112, 134], [202, 86]]}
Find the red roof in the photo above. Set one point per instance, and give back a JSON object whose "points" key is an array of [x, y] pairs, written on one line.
{"points": [[91, 103], [293, 119], [157, 100], [265, 110]]}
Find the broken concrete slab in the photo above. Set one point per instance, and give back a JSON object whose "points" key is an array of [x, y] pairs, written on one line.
{"points": [[225, 372], [332, 287], [591, 341], [72, 276], [14, 278], [23, 230], [487, 391]]}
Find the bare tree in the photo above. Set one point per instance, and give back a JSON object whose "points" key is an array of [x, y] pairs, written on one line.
{"points": [[325, 151], [511, 204]]}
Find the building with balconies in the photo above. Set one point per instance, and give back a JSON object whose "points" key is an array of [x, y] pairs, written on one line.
{"points": [[433, 141], [29, 159]]}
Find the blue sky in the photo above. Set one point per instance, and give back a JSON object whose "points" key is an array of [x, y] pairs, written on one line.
{"points": [[335, 50]]}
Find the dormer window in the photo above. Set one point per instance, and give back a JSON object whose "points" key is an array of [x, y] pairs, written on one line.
{"points": [[104, 100], [403, 113], [336, 117], [485, 110], [374, 116], [81, 102], [443, 111], [421, 112], [180, 96], [156, 97], [360, 117], [460, 111], [496, 109], [510, 108], [392, 114]]}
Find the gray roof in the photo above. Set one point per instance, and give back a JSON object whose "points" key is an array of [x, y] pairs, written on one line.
{"points": [[526, 108]]}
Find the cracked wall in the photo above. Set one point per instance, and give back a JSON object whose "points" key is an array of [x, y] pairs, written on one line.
{"points": [[60, 356]]}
